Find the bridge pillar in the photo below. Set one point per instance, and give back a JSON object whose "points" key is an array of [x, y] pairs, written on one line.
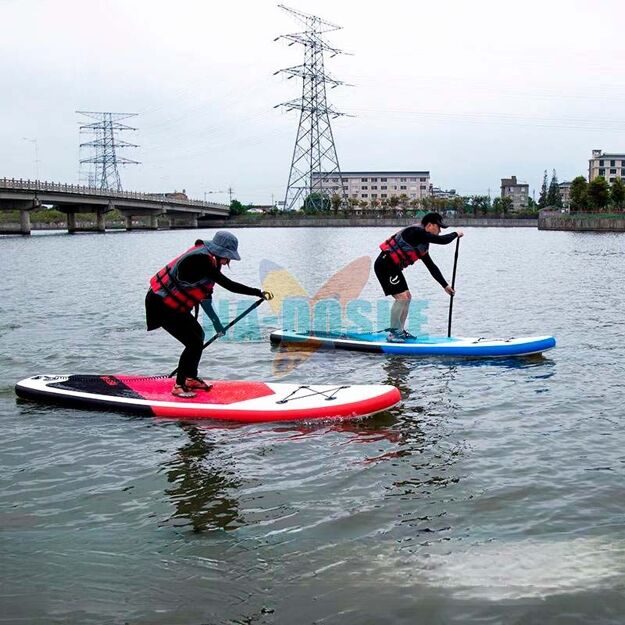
{"points": [[153, 222], [71, 222], [128, 222], [25, 221], [100, 223], [183, 221]]}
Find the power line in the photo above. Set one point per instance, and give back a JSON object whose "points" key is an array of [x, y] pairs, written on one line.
{"points": [[315, 162], [104, 174]]}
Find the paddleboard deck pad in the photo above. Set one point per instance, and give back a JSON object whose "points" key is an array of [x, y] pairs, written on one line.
{"points": [[226, 400], [420, 346]]}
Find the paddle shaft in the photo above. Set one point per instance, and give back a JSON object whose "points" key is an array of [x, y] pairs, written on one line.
{"points": [[453, 286], [247, 311]]}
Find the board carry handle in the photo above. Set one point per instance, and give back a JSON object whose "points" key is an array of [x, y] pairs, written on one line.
{"points": [[246, 312], [453, 286]]}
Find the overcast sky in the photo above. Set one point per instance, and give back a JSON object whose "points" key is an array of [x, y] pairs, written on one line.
{"points": [[471, 91]]}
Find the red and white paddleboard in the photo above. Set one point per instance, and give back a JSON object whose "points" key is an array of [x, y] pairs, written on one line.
{"points": [[226, 400]]}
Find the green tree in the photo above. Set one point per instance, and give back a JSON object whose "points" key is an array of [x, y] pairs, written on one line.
{"points": [[317, 203], [352, 202], [497, 206], [467, 206], [542, 198], [599, 193], [457, 204], [427, 203], [236, 208], [554, 197], [506, 204], [474, 205], [579, 194], [617, 193], [480, 204], [439, 204], [336, 200]]}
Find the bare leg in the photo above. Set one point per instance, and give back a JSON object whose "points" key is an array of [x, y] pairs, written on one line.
{"points": [[399, 310]]}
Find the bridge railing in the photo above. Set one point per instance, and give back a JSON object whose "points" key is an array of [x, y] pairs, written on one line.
{"points": [[75, 189]]}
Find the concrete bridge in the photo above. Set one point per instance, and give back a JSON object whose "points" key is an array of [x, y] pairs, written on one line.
{"points": [[27, 195]]}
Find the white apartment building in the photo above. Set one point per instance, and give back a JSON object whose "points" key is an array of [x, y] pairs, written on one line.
{"points": [[565, 194], [377, 185], [518, 191], [610, 166]]}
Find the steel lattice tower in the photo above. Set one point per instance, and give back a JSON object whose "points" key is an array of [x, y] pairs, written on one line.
{"points": [[104, 174], [315, 163]]}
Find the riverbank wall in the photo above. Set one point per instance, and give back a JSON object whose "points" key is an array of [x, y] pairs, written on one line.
{"points": [[264, 221], [548, 220], [268, 221], [582, 222]]}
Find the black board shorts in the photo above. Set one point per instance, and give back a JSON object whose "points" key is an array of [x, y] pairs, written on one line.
{"points": [[390, 276]]}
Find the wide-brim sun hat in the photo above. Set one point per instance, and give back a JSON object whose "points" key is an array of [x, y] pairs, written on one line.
{"points": [[224, 244]]}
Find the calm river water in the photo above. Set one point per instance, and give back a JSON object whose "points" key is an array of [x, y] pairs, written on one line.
{"points": [[493, 494]]}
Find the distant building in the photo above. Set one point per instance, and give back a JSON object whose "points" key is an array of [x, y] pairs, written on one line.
{"points": [[518, 191], [442, 194], [260, 208], [610, 166], [565, 194], [377, 185]]}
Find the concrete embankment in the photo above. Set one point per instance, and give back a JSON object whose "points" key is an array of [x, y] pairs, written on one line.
{"points": [[582, 222], [249, 221], [360, 222], [15, 228]]}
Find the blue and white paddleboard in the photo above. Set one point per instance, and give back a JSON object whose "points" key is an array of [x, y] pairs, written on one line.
{"points": [[421, 346]]}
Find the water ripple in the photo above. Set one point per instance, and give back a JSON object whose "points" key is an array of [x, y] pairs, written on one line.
{"points": [[492, 493]]}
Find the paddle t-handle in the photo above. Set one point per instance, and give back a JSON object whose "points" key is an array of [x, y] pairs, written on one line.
{"points": [[247, 311]]}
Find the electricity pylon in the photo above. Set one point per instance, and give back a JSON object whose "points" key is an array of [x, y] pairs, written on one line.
{"points": [[106, 145], [315, 172]]}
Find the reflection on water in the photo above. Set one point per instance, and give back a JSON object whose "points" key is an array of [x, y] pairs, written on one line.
{"points": [[202, 486], [397, 370]]}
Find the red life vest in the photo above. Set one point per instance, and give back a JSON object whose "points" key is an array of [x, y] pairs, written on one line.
{"points": [[401, 253], [177, 294]]}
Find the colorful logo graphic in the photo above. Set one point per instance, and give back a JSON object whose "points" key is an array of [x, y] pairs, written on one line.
{"points": [[337, 307], [324, 311]]}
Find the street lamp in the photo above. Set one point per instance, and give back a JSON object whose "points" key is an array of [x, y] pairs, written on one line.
{"points": [[36, 144], [209, 192]]}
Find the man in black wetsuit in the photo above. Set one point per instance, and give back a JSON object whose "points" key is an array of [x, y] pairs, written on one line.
{"points": [[402, 250], [180, 286]]}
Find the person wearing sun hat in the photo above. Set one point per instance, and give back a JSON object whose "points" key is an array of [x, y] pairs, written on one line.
{"points": [[402, 250], [184, 283]]}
